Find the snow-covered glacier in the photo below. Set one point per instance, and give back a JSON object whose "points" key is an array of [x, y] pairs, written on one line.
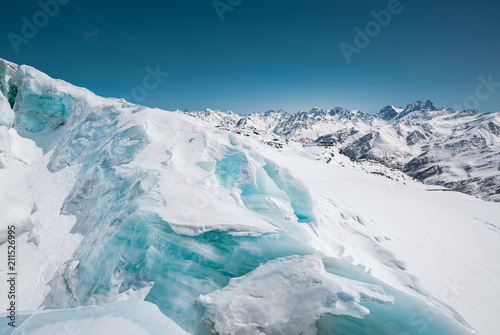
{"points": [[133, 220]]}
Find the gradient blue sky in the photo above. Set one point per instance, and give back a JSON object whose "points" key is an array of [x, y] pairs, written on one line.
{"points": [[266, 54]]}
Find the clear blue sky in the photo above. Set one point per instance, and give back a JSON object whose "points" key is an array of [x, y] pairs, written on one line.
{"points": [[266, 54]]}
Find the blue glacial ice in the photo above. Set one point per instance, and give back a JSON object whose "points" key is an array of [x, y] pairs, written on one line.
{"points": [[299, 196], [127, 248], [39, 107], [129, 251]]}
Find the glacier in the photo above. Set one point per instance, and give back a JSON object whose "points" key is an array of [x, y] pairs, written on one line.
{"points": [[138, 220]]}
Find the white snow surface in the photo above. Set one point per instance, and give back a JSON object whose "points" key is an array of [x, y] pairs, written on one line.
{"points": [[124, 318]]}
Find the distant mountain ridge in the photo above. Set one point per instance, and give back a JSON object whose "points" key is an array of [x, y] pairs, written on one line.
{"points": [[459, 150]]}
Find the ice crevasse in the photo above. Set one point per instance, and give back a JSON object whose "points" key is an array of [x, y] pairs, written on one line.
{"points": [[165, 225]]}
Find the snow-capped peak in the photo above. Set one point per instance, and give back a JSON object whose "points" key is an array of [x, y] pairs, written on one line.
{"points": [[419, 106], [389, 112]]}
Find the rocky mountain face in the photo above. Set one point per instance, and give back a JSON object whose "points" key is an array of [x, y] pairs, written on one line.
{"points": [[459, 150]]}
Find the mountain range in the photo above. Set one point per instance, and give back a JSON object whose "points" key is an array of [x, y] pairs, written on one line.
{"points": [[459, 150]]}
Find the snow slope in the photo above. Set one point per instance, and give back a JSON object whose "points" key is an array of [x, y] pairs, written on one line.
{"points": [[117, 202]]}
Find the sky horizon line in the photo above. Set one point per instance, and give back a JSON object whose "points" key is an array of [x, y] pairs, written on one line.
{"points": [[268, 110], [252, 56]]}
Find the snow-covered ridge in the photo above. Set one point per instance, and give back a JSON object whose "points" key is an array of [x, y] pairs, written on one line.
{"points": [[459, 150], [115, 201]]}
